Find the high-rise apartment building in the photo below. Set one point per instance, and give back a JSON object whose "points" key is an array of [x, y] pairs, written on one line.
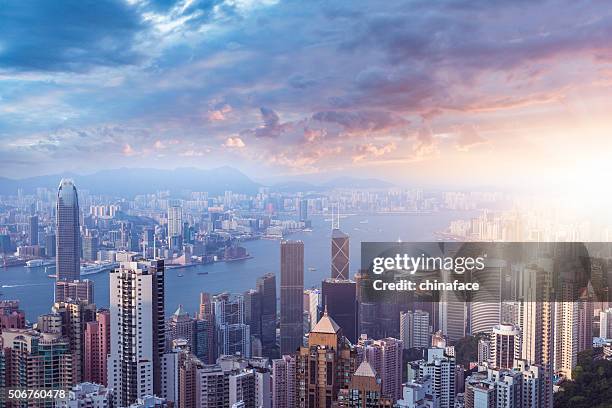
{"points": [[283, 382], [385, 357], [292, 291], [74, 316], [415, 330], [175, 221], [36, 360], [605, 324], [536, 321], [96, 348], [137, 330], [440, 366], [505, 346]]}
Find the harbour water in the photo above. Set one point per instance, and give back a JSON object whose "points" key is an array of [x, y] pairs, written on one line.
{"points": [[34, 288]]}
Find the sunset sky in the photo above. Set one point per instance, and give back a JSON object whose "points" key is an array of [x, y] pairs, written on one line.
{"points": [[463, 93]]}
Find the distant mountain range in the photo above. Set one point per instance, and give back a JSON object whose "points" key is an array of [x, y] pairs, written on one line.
{"points": [[127, 182]]}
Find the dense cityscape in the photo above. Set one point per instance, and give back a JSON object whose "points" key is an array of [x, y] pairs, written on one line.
{"points": [[279, 344], [305, 204]]}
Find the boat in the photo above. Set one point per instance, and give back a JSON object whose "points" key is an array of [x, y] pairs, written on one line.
{"points": [[97, 268], [180, 275], [35, 263], [52, 275], [312, 269], [202, 273], [363, 221]]}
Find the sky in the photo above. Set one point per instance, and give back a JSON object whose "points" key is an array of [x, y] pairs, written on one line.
{"points": [[456, 92]]}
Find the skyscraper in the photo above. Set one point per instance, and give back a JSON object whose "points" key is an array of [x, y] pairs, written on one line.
{"points": [[181, 326], [605, 324], [90, 247], [283, 382], [303, 210], [266, 286], [252, 312], [440, 367], [205, 332], [33, 229], [68, 238], [324, 366], [137, 330], [536, 319], [97, 348], [74, 316], [36, 360], [505, 346], [485, 307], [385, 357], [292, 291], [233, 334], [414, 329], [364, 390], [175, 222], [339, 255], [340, 300], [312, 303]]}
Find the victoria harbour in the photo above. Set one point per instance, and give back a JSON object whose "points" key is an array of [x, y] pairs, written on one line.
{"points": [[33, 287]]}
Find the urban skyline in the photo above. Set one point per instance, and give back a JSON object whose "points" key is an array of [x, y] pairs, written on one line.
{"points": [[206, 204], [137, 352]]}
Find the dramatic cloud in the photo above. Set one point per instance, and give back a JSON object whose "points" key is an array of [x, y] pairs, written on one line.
{"points": [[293, 87]]}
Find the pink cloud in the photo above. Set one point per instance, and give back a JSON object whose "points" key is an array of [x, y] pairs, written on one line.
{"points": [[220, 114], [234, 143], [370, 150]]}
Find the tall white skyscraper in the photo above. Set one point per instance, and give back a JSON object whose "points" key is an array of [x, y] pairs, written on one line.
{"points": [[536, 322], [414, 329], [605, 324], [175, 221], [485, 308], [505, 345], [137, 330], [312, 301]]}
